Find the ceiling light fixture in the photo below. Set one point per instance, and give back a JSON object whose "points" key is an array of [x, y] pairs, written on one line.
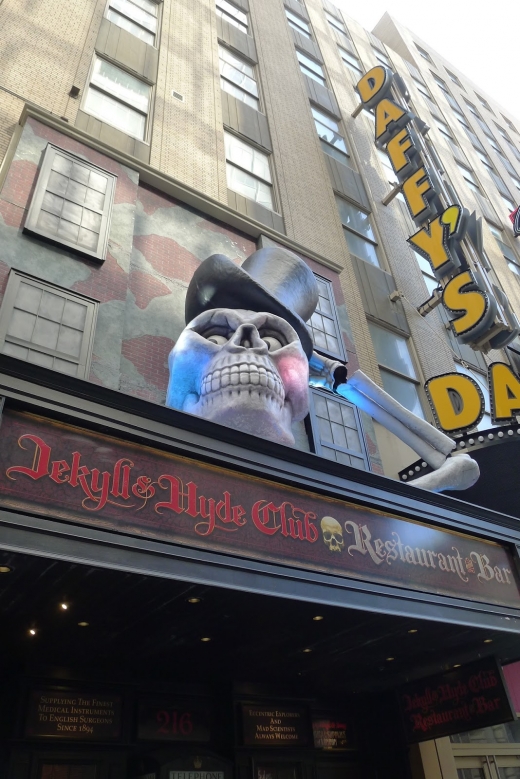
{"points": [[194, 600], [317, 618], [5, 569], [205, 639], [64, 606], [32, 632], [457, 665], [488, 640], [83, 624], [413, 630], [307, 650], [389, 659]]}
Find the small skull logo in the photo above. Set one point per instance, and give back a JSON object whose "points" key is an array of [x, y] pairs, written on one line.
{"points": [[332, 534]]}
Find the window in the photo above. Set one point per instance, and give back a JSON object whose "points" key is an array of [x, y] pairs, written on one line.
{"points": [[483, 103], [238, 77], [441, 84], [230, 13], [494, 145], [424, 92], [248, 171], [382, 58], [516, 181], [119, 99], [424, 54], [469, 178], [445, 130], [136, 16], [338, 429], [311, 68], [338, 27], [389, 173], [332, 142], [454, 78], [503, 133], [352, 62], [47, 325], [427, 273], [298, 24], [510, 257], [324, 324], [396, 367], [358, 231], [509, 124], [72, 203], [508, 204]]}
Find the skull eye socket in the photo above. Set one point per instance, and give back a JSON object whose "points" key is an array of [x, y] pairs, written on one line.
{"points": [[273, 342], [216, 338]]}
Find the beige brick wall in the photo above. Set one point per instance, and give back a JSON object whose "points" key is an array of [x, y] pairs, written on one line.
{"points": [[187, 137]]}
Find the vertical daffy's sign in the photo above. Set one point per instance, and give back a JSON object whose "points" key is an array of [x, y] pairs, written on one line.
{"points": [[448, 236], [473, 696]]}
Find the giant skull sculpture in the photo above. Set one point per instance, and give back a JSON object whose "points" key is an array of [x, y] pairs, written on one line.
{"points": [[243, 369], [243, 361]]}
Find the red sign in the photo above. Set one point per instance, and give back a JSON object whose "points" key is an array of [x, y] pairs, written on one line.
{"points": [[64, 472], [173, 720], [467, 698]]}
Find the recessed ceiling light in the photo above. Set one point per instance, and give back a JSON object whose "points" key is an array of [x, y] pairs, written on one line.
{"points": [[205, 639], [83, 624], [457, 665], [64, 606], [413, 630], [194, 600], [32, 632], [307, 650], [389, 659], [5, 569], [488, 640], [317, 618]]}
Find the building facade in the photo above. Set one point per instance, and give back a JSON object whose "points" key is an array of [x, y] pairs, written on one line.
{"points": [[138, 138]]}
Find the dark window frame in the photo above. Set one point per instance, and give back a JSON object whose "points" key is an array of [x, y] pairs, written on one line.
{"points": [[35, 207], [342, 353], [15, 280], [314, 421]]}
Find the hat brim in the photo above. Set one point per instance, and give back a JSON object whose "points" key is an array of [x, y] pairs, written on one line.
{"points": [[219, 283]]}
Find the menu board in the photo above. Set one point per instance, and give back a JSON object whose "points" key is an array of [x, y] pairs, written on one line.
{"points": [[73, 715], [274, 725]]}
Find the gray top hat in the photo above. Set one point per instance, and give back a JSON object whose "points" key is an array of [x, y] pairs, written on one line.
{"points": [[272, 279]]}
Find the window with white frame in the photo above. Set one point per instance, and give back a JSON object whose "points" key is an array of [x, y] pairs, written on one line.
{"points": [[332, 142], [389, 172], [311, 68], [298, 24], [509, 124], [116, 97], [424, 92], [441, 84], [427, 273], [483, 102], [238, 77], [358, 231], [510, 206], [396, 367], [248, 171], [446, 132], [424, 54], [382, 58], [469, 178], [47, 325], [138, 17], [233, 15], [339, 28], [352, 62], [324, 323]]}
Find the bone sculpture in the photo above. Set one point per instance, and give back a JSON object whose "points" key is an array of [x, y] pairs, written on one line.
{"points": [[243, 361]]}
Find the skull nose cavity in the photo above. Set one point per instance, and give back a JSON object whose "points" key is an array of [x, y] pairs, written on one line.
{"points": [[248, 337]]}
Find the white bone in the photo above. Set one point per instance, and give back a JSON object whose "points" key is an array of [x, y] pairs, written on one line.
{"points": [[457, 473]]}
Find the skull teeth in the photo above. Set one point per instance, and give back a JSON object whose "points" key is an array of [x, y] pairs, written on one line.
{"points": [[244, 376]]}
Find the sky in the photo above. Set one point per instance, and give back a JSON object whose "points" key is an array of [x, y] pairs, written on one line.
{"points": [[481, 40]]}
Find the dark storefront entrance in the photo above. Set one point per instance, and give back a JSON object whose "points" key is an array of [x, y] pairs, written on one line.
{"points": [[189, 651]]}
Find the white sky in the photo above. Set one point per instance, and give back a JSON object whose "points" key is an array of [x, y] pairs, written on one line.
{"points": [[481, 39]]}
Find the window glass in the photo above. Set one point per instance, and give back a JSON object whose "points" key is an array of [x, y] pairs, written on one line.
{"points": [[392, 350], [508, 204], [298, 24], [334, 22], [424, 54], [440, 83], [118, 98], [137, 16], [324, 324], [389, 171], [230, 13], [328, 130], [355, 219], [382, 58], [237, 77], [311, 68], [403, 391], [469, 178], [121, 84], [339, 435], [454, 78], [352, 62], [248, 171]]}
